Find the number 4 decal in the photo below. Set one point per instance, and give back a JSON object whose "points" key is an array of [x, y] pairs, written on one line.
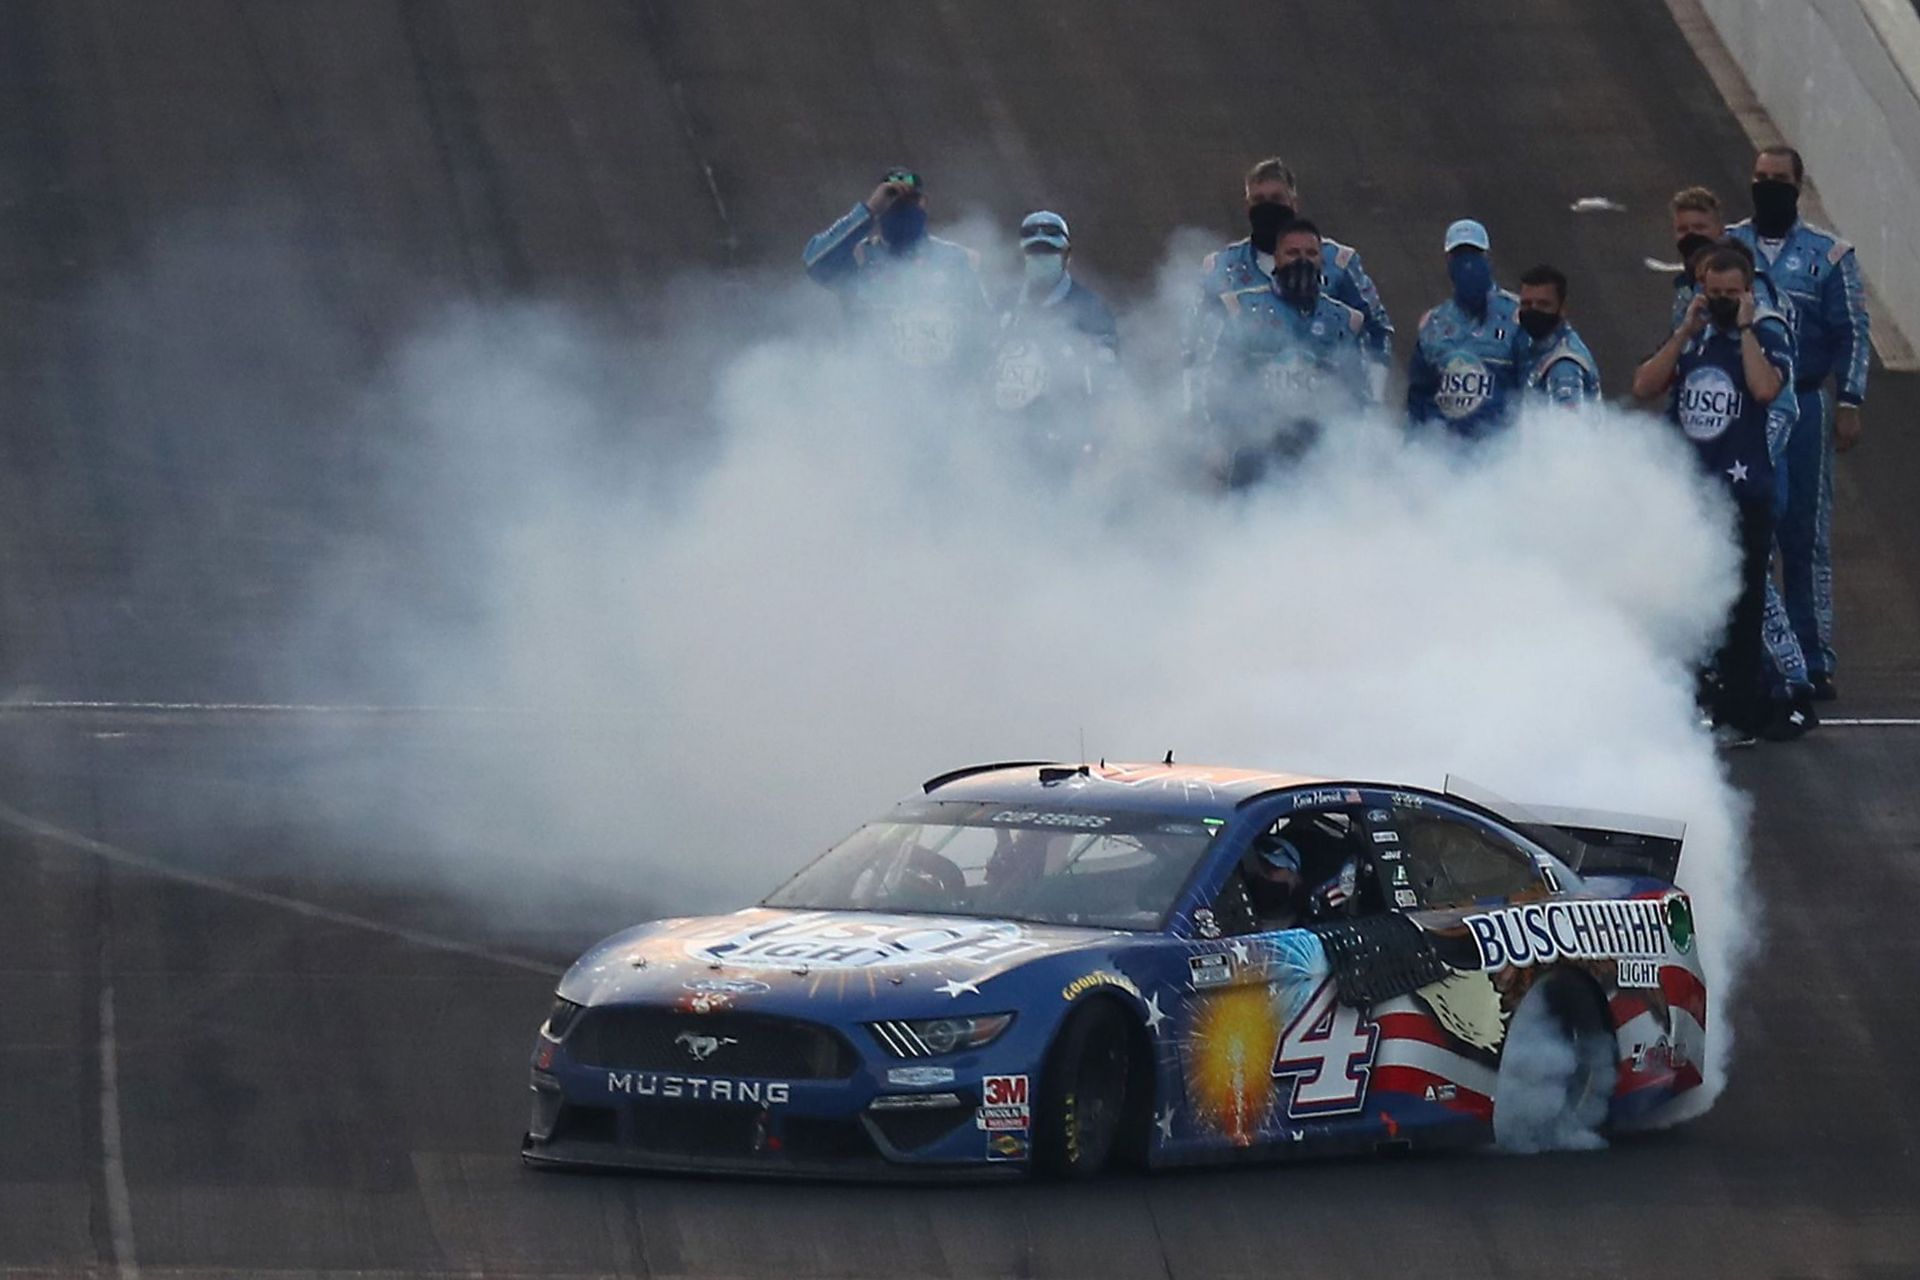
{"points": [[1328, 1050]]}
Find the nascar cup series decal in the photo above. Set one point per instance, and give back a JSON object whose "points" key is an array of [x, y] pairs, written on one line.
{"points": [[1709, 403], [827, 940], [1542, 931]]}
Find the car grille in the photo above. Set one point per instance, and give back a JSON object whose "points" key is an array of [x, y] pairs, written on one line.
{"points": [[726, 1044]]}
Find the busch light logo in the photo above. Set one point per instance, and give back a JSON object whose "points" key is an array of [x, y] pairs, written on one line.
{"points": [[1019, 376], [924, 337], [1709, 402], [1465, 385], [1291, 374]]}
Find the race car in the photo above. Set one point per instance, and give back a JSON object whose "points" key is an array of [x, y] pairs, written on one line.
{"points": [[1057, 967]]}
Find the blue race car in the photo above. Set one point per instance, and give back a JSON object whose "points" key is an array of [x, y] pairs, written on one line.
{"points": [[1061, 967]]}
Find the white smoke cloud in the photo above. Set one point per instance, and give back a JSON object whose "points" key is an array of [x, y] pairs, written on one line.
{"points": [[735, 653]]}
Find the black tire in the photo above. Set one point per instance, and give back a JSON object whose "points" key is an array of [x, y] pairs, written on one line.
{"points": [[1084, 1113], [1557, 1070]]}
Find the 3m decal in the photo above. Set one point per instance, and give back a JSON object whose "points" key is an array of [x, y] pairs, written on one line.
{"points": [[1543, 931], [1641, 975], [1328, 1050], [652, 1084], [1004, 1105], [1101, 978], [1213, 970]]}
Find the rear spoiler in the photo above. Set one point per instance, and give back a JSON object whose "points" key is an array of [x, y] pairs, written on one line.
{"points": [[1614, 844], [1591, 841]]}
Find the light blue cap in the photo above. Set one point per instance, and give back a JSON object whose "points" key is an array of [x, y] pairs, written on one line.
{"points": [[1467, 233]]}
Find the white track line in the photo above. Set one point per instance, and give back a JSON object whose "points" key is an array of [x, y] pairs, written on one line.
{"points": [[269, 708], [12, 817], [113, 1158]]}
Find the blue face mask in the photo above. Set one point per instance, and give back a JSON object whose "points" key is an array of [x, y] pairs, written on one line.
{"points": [[1472, 277], [903, 225]]}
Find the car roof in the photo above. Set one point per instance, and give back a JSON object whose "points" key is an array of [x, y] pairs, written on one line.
{"points": [[1190, 790]]}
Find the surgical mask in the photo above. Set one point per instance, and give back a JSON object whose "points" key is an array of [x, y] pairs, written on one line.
{"points": [[1264, 221], [1725, 312], [1776, 205], [1472, 277], [1045, 269], [1539, 324], [903, 225], [1299, 281]]}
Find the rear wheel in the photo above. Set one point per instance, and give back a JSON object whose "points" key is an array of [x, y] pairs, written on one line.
{"points": [[1557, 1070], [1084, 1094]]}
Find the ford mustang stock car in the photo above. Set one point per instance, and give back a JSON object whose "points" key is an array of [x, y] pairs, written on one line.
{"points": [[1058, 967]]}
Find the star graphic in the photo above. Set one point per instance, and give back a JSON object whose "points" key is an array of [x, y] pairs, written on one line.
{"points": [[1239, 950], [1154, 1016], [953, 987], [1164, 1123], [1738, 471]]}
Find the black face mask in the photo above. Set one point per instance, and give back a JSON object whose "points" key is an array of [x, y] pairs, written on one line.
{"points": [[1690, 244], [1299, 281], [1539, 324], [1724, 311], [1264, 220], [1776, 205]]}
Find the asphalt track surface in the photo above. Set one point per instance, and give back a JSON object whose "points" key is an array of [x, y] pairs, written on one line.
{"points": [[216, 1059]]}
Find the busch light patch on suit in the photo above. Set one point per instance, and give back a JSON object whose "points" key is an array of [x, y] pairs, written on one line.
{"points": [[1709, 403], [1544, 931], [1465, 385], [1019, 375]]}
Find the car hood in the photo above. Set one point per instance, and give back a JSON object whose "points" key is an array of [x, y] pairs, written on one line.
{"points": [[780, 960]]}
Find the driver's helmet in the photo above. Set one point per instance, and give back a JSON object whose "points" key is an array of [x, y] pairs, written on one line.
{"points": [[1274, 856]]}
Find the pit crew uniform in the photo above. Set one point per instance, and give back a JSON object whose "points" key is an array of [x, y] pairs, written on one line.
{"points": [[1343, 277], [1466, 370], [1787, 676], [1561, 370], [1054, 361], [1275, 373], [1820, 274], [926, 304], [1737, 443]]}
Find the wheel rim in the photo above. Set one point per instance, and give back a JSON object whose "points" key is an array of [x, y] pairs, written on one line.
{"points": [[1100, 1088]]}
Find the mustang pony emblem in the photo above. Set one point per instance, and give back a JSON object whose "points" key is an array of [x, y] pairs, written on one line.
{"points": [[703, 1047]]}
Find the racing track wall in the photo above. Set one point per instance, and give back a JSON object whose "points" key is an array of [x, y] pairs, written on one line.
{"points": [[1841, 79]]}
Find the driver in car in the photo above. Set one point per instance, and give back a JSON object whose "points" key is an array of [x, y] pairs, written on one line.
{"points": [[1272, 873]]}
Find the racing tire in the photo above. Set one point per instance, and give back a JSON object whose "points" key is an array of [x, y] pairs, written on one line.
{"points": [[1557, 1070], [1084, 1118]]}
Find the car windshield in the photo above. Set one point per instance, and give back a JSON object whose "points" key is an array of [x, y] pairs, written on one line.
{"points": [[1110, 870]]}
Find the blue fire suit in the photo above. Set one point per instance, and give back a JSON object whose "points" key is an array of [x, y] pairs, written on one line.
{"points": [[1274, 373], [1055, 358], [1466, 369], [1561, 370], [1820, 273], [1240, 266], [1786, 661], [927, 305], [1736, 443]]}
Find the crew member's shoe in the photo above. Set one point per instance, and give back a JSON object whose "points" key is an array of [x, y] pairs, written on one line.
{"points": [[1823, 690]]}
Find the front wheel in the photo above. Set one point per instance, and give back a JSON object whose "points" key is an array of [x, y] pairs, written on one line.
{"points": [[1083, 1096]]}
